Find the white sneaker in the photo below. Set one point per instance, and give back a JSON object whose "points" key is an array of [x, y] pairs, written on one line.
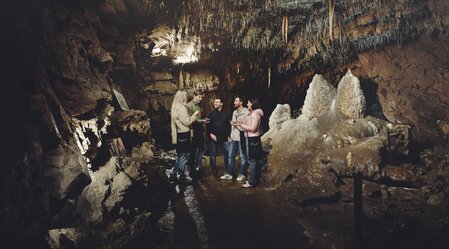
{"points": [[247, 185], [240, 178], [226, 177]]}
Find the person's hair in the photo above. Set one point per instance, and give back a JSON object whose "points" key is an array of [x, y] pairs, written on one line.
{"points": [[256, 104], [198, 92], [179, 100], [242, 99], [220, 98]]}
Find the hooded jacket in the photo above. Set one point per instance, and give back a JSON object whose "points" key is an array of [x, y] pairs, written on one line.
{"points": [[252, 123], [181, 122]]}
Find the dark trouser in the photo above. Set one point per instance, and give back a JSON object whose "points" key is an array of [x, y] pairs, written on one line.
{"points": [[213, 154], [182, 149], [255, 153], [197, 150]]}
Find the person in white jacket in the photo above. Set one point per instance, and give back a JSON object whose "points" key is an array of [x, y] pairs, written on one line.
{"points": [[180, 131], [239, 115]]}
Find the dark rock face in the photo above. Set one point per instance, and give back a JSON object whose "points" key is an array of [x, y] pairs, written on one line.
{"points": [[63, 115]]}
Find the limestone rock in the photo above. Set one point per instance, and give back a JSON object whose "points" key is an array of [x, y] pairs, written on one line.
{"points": [[65, 172], [319, 97], [201, 79], [143, 151], [436, 199], [90, 204], [64, 238], [363, 157], [350, 100], [279, 115], [405, 174], [162, 87], [119, 186], [113, 10], [132, 121], [161, 76]]}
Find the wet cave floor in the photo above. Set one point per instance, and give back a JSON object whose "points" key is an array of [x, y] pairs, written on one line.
{"points": [[220, 214]]}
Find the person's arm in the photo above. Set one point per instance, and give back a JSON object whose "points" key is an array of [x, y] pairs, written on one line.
{"points": [[210, 128], [253, 127], [228, 126], [209, 125], [185, 118], [173, 131]]}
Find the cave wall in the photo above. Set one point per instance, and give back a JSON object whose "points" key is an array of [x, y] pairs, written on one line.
{"points": [[61, 61]]}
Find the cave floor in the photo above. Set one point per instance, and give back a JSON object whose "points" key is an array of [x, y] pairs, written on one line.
{"points": [[219, 214]]}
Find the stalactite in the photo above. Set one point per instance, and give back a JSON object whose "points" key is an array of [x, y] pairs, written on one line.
{"points": [[285, 28], [269, 77], [181, 80], [331, 17]]}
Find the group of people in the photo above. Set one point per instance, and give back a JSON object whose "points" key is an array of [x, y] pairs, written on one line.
{"points": [[239, 132]]}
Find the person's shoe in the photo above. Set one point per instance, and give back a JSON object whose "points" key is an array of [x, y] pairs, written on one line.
{"points": [[247, 185], [226, 177], [240, 178]]}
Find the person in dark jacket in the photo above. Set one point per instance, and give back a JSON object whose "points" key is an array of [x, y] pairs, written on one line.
{"points": [[218, 131]]}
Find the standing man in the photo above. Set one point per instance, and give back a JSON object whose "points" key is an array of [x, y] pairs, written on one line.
{"points": [[197, 146], [218, 130], [239, 115]]}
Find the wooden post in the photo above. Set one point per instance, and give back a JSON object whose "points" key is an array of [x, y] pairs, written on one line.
{"points": [[358, 211]]}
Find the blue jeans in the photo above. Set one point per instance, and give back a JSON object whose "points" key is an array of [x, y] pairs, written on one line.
{"points": [[213, 154], [181, 161], [233, 146], [253, 171]]}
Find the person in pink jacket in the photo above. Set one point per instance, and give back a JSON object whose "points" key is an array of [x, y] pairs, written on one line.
{"points": [[252, 139]]}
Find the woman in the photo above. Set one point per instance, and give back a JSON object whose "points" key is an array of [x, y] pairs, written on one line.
{"points": [[252, 137], [180, 131]]}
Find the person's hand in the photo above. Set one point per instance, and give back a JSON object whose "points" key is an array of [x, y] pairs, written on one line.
{"points": [[229, 139], [213, 137], [196, 113], [206, 120]]}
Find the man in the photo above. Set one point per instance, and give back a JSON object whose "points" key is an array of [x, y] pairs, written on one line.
{"points": [[197, 146], [218, 130], [239, 115]]}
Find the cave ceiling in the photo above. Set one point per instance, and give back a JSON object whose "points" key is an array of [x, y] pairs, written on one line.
{"points": [[288, 35]]}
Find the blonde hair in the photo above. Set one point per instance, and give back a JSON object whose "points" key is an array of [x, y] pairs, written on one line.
{"points": [[179, 100]]}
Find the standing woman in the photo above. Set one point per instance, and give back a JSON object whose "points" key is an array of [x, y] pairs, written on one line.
{"points": [[180, 131], [252, 137]]}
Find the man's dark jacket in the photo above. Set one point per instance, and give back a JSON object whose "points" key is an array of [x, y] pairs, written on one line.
{"points": [[219, 125]]}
